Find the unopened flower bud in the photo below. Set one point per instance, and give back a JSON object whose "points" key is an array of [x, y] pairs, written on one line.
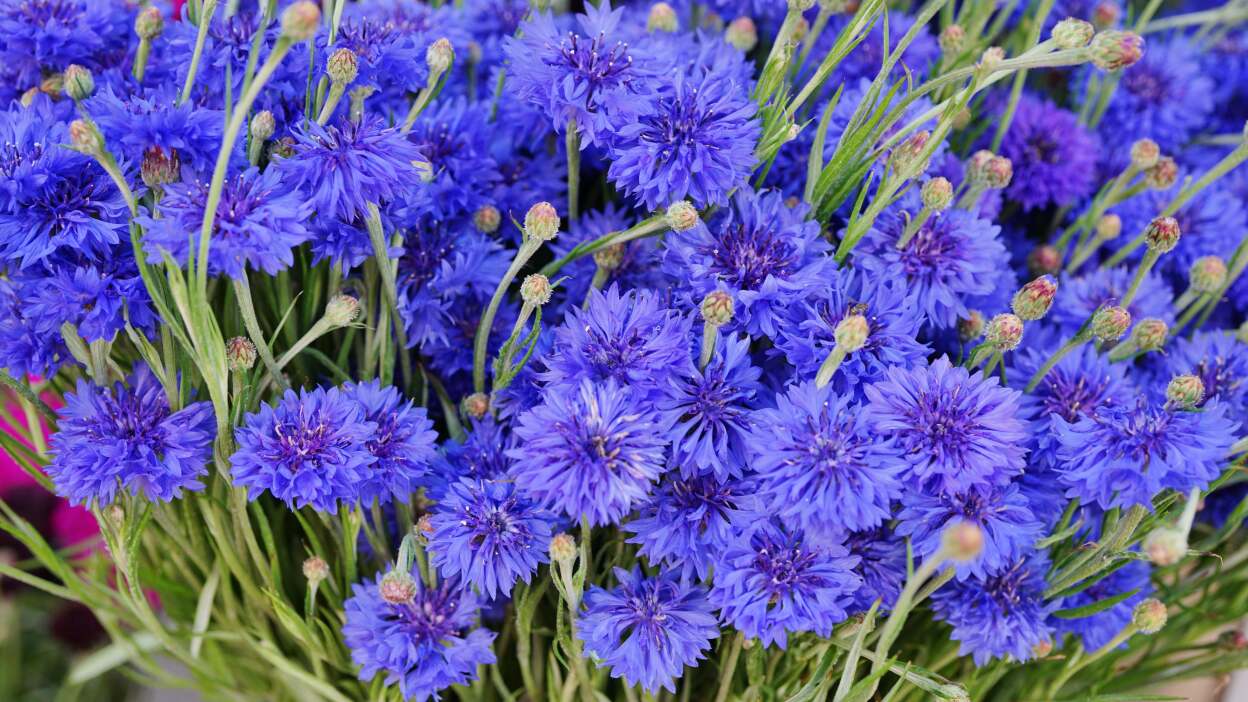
{"points": [[160, 167], [991, 58], [1145, 153], [662, 18], [299, 20], [800, 27], [970, 328], [1149, 616], [999, 172], [1044, 260], [1034, 299], [1162, 175], [907, 158], [717, 308], [342, 66], [937, 194], [1162, 234], [476, 405], [951, 39], [977, 166], [1106, 14], [962, 118], [342, 310], [1042, 649], [84, 137], [1110, 323], [1149, 334], [439, 56], [742, 34], [423, 528], [1233, 640], [851, 333], [535, 290], [1113, 50], [609, 258], [398, 588], [801, 5], [79, 83], [149, 23], [240, 354], [541, 222], [1185, 391], [263, 125], [53, 85], [563, 549], [1072, 33], [316, 570], [1004, 332], [1108, 227], [1207, 274], [1165, 546], [681, 216], [282, 148], [487, 219], [962, 541]]}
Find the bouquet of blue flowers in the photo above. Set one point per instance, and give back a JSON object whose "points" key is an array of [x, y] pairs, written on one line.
{"points": [[722, 350]]}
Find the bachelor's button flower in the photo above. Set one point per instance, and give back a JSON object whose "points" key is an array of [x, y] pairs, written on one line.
{"points": [[259, 222], [772, 582], [310, 448], [646, 630], [480, 456], [1054, 157], [818, 465], [1002, 615], [45, 36], [425, 645], [403, 444], [958, 429], [127, 438], [28, 345], [1221, 363], [590, 451], [881, 564], [452, 137], [98, 299], [486, 533], [133, 124]]}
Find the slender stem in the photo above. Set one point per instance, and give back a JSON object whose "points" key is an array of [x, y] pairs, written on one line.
{"points": [[829, 366], [901, 610], [572, 143], [1074, 343], [242, 290], [1016, 92], [729, 669], [205, 19], [913, 227], [1150, 259], [481, 341], [336, 91], [418, 106], [710, 333], [318, 330]]}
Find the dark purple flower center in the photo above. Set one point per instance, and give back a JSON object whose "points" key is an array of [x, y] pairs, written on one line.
{"points": [[1146, 85], [930, 250], [1042, 148], [429, 618], [240, 199], [304, 440], [648, 612], [832, 447], [595, 64], [366, 38], [941, 425], [131, 418], [676, 124], [12, 157], [704, 497], [1005, 588], [64, 204], [495, 525], [785, 568], [44, 12], [1218, 377], [1070, 397], [747, 256], [426, 247]]}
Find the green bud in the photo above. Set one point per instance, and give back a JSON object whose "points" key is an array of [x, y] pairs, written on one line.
{"points": [[299, 21], [1110, 323], [851, 333], [717, 308], [1072, 33], [1114, 50], [1185, 391], [79, 83], [536, 290], [541, 222], [342, 66]]}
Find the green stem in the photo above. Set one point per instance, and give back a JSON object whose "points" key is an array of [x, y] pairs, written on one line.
{"points": [[1016, 92], [205, 19], [829, 366], [1150, 259], [482, 339], [336, 91], [710, 333], [1074, 343], [242, 291], [572, 143], [729, 669]]}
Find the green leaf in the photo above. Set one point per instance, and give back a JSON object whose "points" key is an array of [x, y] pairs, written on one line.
{"points": [[1094, 608], [111, 657]]}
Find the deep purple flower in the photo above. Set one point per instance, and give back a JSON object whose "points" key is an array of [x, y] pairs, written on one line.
{"points": [[98, 299], [881, 565], [646, 630], [1002, 615], [403, 443], [958, 430], [772, 582], [426, 645], [590, 451], [1054, 157], [689, 522], [452, 136], [486, 533], [311, 448], [134, 123], [38, 37], [127, 438]]}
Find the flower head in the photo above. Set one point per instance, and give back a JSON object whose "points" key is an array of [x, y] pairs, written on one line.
{"points": [[772, 582], [403, 444], [646, 630], [691, 521], [591, 450], [480, 456], [1054, 157], [425, 644], [958, 430], [1221, 363], [1002, 513], [881, 565], [1000, 615], [486, 533], [127, 437]]}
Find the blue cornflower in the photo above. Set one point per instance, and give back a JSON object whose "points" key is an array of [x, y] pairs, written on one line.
{"points": [[694, 139], [345, 166], [311, 448], [426, 644], [958, 430], [1001, 615], [709, 412], [639, 260], [1164, 96], [482, 455], [807, 335], [1123, 456], [28, 346], [452, 137], [586, 73], [629, 337], [1221, 363], [44, 36], [818, 464], [1054, 156], [1097, 630], [128, 438], [766, 254], [953, 256], [689, 522], [344, 244], [390, 56], [259, 222], [1002, 513], [881, 565], [1077, 298], [133, 123], [646, 630], [486, 533], [590, 451], [98, 299], [772, 582], [403, 445]]}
